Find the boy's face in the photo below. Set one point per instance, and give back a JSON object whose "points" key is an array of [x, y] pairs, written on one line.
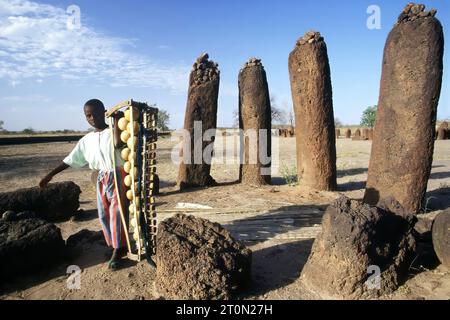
{"points": [[95, 116]]}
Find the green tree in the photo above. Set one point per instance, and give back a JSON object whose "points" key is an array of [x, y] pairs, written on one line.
{"points": [[163, 120], [369, 116], [1, 124]]}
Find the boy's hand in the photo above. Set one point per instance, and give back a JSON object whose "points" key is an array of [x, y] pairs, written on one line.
{"points": [[117, 115], [44, 182]]}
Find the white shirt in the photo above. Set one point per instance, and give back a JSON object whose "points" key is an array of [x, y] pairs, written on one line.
{"points": [[95, 150]]}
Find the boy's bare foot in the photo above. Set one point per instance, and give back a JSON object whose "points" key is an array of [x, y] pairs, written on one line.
{"points": [[116, 259]]}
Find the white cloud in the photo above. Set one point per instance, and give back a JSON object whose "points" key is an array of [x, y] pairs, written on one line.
{"points": [[32, 98], [35, 43]]}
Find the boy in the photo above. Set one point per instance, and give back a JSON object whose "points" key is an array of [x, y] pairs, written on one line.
{"points": [[94, 150]]}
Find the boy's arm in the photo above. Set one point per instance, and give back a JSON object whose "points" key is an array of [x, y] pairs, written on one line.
{"points": [[44, 182], [117, 141], [75, 159]]}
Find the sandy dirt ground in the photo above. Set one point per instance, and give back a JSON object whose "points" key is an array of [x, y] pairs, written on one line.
{"points": [[278, 222]]}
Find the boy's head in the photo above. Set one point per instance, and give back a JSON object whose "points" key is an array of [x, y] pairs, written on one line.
{"points": [[94, 110]]}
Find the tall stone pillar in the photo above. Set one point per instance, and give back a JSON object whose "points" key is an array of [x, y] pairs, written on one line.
{"points": [[411, 81], [255, 120], [201, 114], [348, 134], [313, 105]]}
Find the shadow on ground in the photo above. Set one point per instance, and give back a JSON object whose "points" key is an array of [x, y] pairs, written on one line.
{"points": [[278, 266], [83, 255], [352, 186], [167, 184], [194, 189], [440, 175], [278, 181], [351, 172], [276, 223], [438, 199], [86, 215]]}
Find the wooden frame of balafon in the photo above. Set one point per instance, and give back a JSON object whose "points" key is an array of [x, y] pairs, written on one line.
{"points": [[139, 133]]}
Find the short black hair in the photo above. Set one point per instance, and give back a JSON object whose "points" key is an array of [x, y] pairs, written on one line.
{"points": [[95, 103]]}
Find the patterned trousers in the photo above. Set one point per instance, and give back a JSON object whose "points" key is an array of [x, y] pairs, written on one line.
{"points": [[108, 207]]}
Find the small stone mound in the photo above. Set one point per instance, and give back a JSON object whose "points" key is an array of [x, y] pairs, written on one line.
{"points": [[441, 237], [28, 245], [338, 133], [59, 201], [365, 134], [348, 134], [442, 134], [354, 237], [199, 260], [425, 254], [205, 70], [310, 37], [357, 136], [443, 131], [413, 12]]}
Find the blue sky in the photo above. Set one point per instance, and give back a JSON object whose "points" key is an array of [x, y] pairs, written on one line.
{"points": [[144, 50]]}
